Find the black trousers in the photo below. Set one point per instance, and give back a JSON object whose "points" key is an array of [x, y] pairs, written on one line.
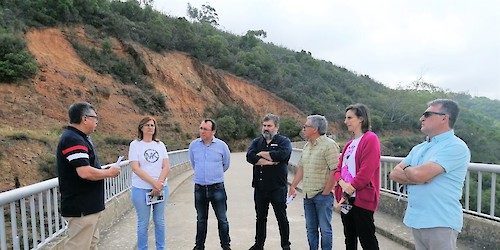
{"points": [[277, 198], [359, 223]]}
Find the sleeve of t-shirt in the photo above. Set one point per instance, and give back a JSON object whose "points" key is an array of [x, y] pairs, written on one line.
{"points": [[132, 151], [332, 156], [164, 151], [452, 157], [76, 152]]}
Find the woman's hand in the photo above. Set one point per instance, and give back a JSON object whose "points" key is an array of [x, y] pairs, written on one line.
{"points": [[157, 188], [347, 187]]}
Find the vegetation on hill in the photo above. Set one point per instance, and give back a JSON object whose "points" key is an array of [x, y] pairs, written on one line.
{"points": [[314, 86]]}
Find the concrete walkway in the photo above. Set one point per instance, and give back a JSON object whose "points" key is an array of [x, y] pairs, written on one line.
{"points": [[181, 218]]}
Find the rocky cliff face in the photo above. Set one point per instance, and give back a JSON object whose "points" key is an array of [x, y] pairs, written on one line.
{"points": [[33, 112]]}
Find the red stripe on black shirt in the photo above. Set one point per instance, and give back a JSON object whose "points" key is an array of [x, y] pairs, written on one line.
{"points": [[74, 148]]}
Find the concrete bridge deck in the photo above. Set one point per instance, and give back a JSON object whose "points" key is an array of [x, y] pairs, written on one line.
{"points": [[181, 219]]}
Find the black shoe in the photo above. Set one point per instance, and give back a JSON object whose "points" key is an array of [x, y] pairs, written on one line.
{"points": [[198, 248], [226, 248], [256, 247]]}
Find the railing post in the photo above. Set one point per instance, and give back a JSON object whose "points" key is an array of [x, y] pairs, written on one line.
{"points": [[492, 194], [3, 234]]}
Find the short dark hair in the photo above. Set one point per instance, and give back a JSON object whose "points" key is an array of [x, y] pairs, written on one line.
{"points": [[77, 110], [361, 111], [272, 117], [214, 125], [448, 107]]}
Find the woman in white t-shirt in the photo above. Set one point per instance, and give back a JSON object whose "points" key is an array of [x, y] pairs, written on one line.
{"points": [[149, 161]]}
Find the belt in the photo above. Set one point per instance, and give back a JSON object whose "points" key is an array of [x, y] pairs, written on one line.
{"points": [[209, 185]]}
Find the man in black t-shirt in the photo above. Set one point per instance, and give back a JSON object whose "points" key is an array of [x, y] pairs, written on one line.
{"points": [[269, 155], [81, 179]]}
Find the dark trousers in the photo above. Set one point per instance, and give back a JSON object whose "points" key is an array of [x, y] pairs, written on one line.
{"points": [[203, 196], [359, 223], [277, 198]]}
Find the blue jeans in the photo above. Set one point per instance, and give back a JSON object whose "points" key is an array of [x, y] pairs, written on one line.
{"points": [[143, 214], [318, 212], [203, 196]]}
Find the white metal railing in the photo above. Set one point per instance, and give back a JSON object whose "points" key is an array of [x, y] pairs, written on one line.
{"points": [[31, 214], [477, 175]]}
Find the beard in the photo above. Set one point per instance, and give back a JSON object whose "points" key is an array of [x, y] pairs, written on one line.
{"points": [[268, 135]]}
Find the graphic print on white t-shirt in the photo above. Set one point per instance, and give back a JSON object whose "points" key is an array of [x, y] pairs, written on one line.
{"points": [[151, 155]]}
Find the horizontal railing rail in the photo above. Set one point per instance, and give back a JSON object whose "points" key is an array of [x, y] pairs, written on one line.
{"points": [[31, 213], [480, 183]]}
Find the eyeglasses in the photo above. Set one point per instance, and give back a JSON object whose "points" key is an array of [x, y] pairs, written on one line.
{"points": [[93, 116], [149, 125], [308, 126], [428, 114], [205, 129]]}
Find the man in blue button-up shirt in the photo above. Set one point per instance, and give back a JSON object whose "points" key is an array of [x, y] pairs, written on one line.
{"points": [[434, 173], [210, 158]]}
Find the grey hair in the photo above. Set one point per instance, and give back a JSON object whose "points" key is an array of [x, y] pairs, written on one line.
{"points": [[319, 122], [272, 117], [448, 107]]}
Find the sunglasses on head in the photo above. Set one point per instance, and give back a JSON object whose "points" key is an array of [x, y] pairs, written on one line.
{"points": [[427, 114]]}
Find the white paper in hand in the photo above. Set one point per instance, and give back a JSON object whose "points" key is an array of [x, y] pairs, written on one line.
{"points": [[151, 199], [117, 163], [289, 199]]}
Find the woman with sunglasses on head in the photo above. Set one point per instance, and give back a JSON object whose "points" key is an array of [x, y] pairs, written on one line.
{"points": [[357, 178], [149, 161]]}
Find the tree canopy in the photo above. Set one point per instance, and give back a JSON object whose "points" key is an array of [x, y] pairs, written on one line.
{"points": [[314, 86]]}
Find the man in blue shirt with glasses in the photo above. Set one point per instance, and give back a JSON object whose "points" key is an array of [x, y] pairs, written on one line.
{"points": [[210, 158]]}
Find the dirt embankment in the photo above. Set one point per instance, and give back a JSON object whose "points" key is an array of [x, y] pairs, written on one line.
{"points": [[32, 113]]}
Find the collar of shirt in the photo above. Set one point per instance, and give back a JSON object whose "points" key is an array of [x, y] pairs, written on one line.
{"points": [[441, 137], [319, 139]]}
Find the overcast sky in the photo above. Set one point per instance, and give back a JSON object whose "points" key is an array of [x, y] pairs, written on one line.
{"points": [[453, 44]]}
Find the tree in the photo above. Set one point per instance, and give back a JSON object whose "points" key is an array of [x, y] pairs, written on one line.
{"points": [[146, 2], [16, 63], [207, 14]]}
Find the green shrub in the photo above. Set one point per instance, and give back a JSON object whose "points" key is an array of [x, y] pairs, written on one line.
{"points": [[117, 140], [290, 128], [18, 137], [400, 145], [16, 63], [235, 124]]}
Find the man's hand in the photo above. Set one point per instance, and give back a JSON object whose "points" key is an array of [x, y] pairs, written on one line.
{"points": [[113, 171], [292, 192], [264, 162], [265, 155]]}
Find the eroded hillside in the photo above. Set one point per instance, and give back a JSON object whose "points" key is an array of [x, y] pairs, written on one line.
{"points": [[32, 113]]}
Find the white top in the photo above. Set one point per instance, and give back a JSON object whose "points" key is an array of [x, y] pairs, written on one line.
{"points": [[150, 156], [348, 171]]}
